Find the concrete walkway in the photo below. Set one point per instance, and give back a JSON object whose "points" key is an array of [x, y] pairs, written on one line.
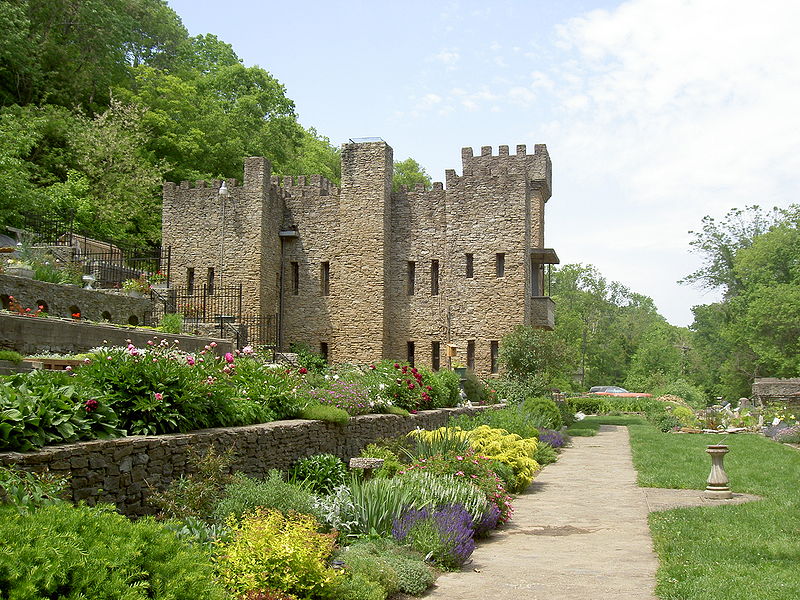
{"points": [[579, 532]]}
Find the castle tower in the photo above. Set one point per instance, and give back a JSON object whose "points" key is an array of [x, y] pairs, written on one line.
{"points": [[357, 273]]}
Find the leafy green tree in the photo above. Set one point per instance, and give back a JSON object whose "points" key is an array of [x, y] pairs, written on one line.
{"points": [[527, 352], [408, 172]]}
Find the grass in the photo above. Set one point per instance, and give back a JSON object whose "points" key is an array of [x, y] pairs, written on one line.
{"points": [[590, 425], [742, 552]]}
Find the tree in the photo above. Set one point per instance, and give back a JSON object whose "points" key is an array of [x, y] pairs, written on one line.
{"points": [[718, 243], [526, 353], [408, 172]]}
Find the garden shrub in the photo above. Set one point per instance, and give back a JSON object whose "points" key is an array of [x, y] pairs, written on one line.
{"points": [[62, 551], [543, 412], [171, 323], [514, 391], [398, 384], [337, 511], [271, 550], [475, 389], [447, 389], [437, 491], [445, 440], [545, 454], [358, 586], [396, 410], [323, 412], [665, 421], [685, 415], [376, 503], [245, 494], [513, 419], [411, 573], [692, 394], [445, 534], [47, 407], [11, 356], [322, 472], [155, 391], [273, 390]]}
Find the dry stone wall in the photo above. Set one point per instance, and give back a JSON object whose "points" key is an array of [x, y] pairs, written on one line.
{"points": [[123, 471]]}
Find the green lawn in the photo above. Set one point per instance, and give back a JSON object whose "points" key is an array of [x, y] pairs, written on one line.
{"points": [[748, 551]]}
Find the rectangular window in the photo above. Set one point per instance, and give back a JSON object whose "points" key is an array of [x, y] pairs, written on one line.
{"points": [[323, 350], [411, 276], [410, 353], [325, 278], [470, 271], [190, 280], [500, 264], [295, 278], [536, 289], [495, 353], [434, 278], [210, 280], [471, 355], [435, 351]]}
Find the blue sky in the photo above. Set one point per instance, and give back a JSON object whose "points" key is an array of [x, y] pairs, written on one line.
{"points": [[655, 112]]}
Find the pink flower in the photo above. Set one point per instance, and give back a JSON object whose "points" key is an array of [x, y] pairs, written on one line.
{"points": [[68, 368], [213, 344], [159, 396], [228, 357], [91, 405], [411, 386], [460, 457], [190, 361], [86, 361]]}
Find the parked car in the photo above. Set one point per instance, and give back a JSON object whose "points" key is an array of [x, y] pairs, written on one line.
{"points": [[613, 390]]}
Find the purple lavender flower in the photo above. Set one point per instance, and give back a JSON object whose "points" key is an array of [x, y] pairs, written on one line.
{"points": [[488, 521], [454, 529], [552, 437]]}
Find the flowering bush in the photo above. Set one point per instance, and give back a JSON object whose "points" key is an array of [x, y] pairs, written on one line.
{"points": [[446, 534], [473, 468], [400, 384], [554, 438]]}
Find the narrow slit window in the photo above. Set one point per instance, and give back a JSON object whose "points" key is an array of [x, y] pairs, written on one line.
{"points": [[470, 266], [494, 350], [295, 278], [500, 264], [471, 355], [411, 275], [323, 350], [325, 278], [410, 353], [435, 353], [190, 280], [434, 278], [210, 280]]}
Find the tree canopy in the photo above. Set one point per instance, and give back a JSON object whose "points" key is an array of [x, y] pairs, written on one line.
{"points": [[86, 85]]}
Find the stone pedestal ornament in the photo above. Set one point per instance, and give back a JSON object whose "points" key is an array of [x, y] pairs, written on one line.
{"points": [[366, 465], [717, 488]]}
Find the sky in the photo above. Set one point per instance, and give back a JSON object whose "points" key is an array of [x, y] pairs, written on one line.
{"points": [[655, 112]]}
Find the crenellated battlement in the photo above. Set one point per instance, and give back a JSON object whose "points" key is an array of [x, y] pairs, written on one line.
{"points": [[536, 167]]}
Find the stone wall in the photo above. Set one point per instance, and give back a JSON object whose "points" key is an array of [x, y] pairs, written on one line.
{"points": [[772, 389], [123, 470], [32, 335], [61, 300]]}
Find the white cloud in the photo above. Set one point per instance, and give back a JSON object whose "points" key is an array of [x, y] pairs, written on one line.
{"points": [[684, 108], [449, 58]]}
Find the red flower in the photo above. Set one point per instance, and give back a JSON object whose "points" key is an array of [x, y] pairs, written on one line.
{"points": [[302, 371], [396, 366], [91, 405], [411, 386]]}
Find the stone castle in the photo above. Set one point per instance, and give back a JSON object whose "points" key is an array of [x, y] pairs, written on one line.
{"points": [[359, 272]]}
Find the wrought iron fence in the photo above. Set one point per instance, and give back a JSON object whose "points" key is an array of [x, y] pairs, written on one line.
{"points": [[199, 304]]}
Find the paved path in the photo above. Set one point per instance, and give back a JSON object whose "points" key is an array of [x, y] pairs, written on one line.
{"points": [[580, 532]]}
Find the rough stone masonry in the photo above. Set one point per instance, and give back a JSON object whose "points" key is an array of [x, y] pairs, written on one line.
{"points": [[359, 272]]}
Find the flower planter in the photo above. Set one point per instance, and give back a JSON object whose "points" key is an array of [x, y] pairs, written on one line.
{"points": [[133, 294]]}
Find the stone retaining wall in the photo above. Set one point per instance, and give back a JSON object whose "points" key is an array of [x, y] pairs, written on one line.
{"points": [[122, 470], [32, 335]]}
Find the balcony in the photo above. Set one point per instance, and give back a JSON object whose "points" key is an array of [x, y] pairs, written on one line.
{"points": [[541, 312]]}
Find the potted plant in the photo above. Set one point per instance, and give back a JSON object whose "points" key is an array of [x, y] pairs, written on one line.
{"points": [[158, 281], [136, 288]]}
